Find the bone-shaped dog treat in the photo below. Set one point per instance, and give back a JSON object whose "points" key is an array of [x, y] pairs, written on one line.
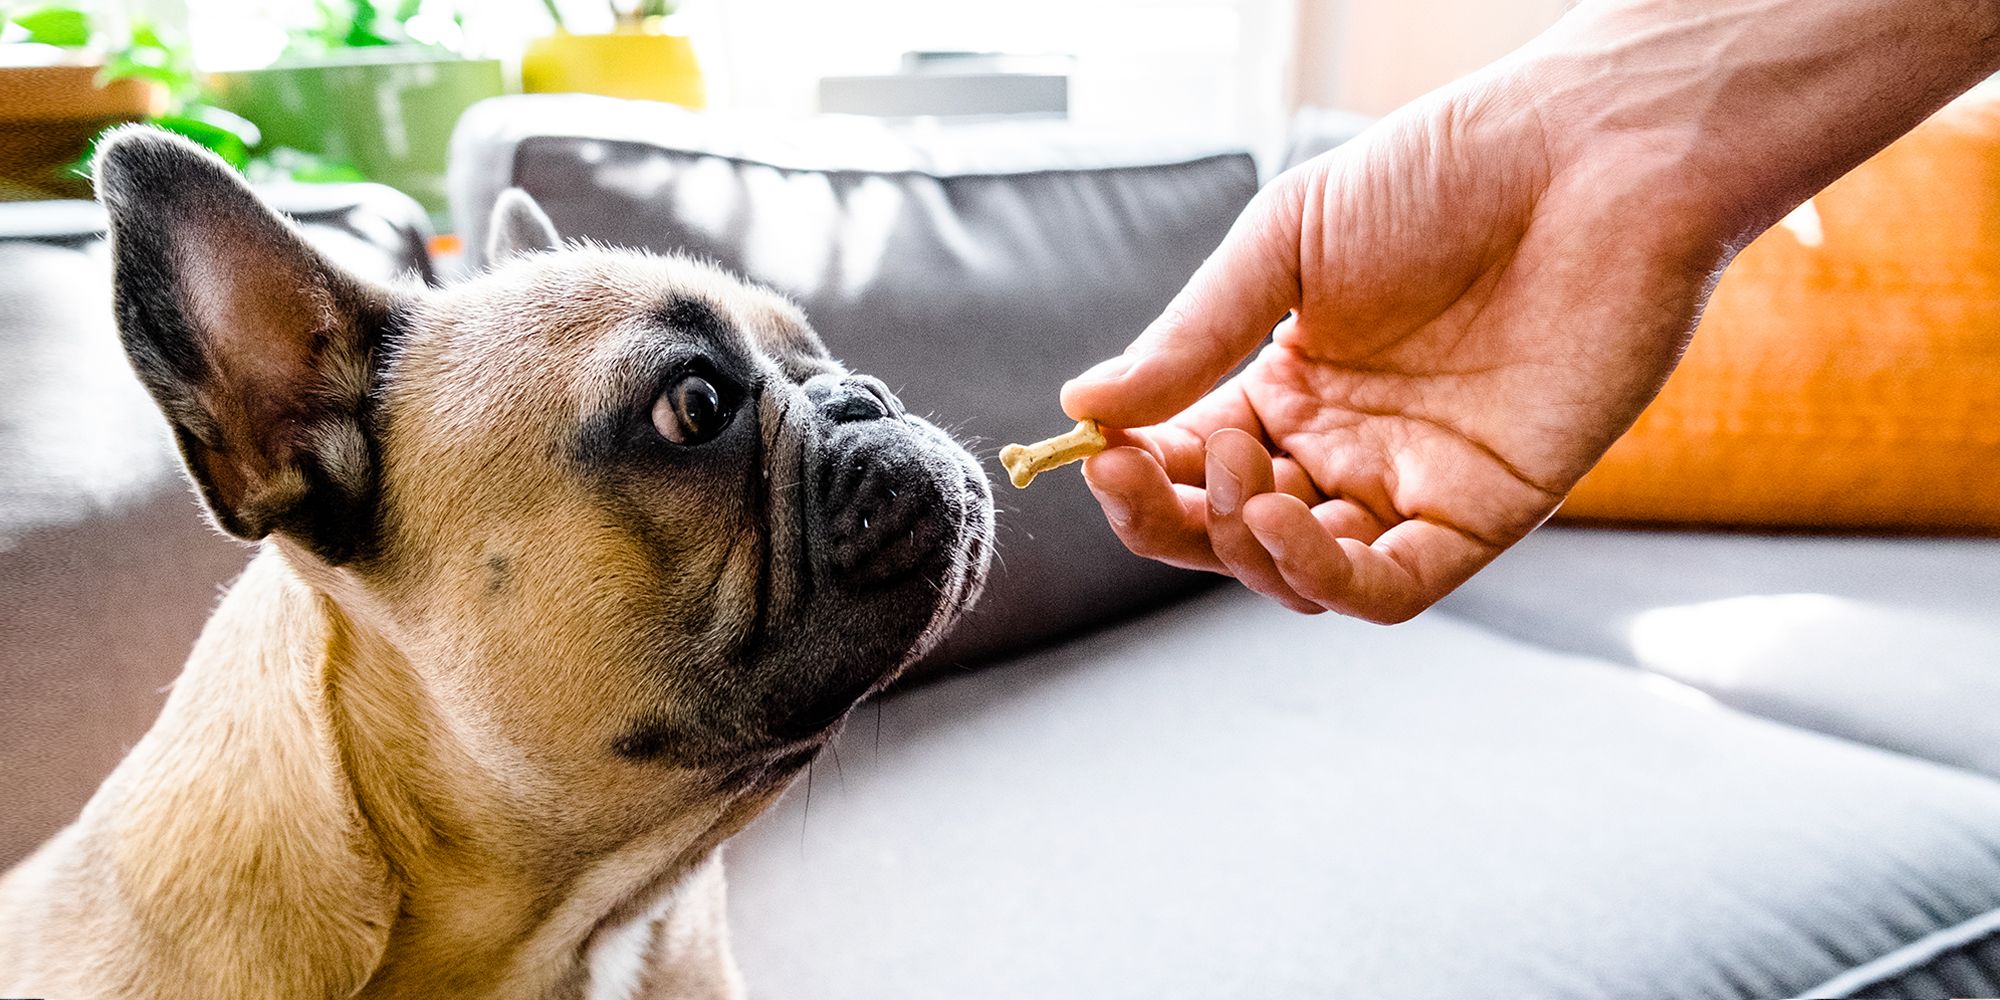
{"points": [[1026, 461]]}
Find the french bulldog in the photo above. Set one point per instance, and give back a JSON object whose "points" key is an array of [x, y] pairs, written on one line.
{"points": [[563, 573]]}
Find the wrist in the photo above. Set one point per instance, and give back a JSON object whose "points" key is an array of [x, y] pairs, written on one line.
{"points": [[1720, 116]]}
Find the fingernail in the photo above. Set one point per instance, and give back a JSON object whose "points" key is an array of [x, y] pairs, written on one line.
{"points": [[1107, 370], [1225, 491]]}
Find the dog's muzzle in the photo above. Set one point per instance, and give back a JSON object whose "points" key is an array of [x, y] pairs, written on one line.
{"points": [[883, 516], [896, 524]]}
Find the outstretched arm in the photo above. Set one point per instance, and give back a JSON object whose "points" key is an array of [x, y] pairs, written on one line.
{"points": [[1476, 297]]}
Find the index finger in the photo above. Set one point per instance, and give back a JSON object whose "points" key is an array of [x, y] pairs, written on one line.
{"points": [[1242, 290]]}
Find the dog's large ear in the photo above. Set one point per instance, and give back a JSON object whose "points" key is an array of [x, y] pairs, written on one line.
{"points": [[518, 226], [260, 352]]}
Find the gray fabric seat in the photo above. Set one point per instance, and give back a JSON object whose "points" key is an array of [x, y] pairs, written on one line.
{"points": [[1890, 641], [1225, 800]]}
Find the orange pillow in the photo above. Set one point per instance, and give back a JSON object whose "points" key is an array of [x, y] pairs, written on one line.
{"points": [[1847, 371]]}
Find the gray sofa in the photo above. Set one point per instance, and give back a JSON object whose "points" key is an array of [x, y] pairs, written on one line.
{"points": [[1507, 797], [1620, 763]]}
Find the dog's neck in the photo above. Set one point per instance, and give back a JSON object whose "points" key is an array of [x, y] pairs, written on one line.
{"points": [[302, 778], [496, 899]]}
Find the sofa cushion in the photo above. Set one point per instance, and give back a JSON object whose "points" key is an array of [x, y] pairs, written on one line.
{"points": [[1893, 641], [972, 269], [107, 569], [1846, 369], [1226, 800]]}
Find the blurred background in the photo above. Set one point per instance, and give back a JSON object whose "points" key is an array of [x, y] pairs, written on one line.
{"points": [[348, 89]]}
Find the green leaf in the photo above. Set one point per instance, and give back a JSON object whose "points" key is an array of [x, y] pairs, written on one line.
{"points": [[362, 31], [288, 164], [80, 167], [149, 55], [120, 67], [243, 128], [66, 27], [327, 173], [218, 138], [220, 132]]}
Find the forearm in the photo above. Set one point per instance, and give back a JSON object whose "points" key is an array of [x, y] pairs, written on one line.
{"points": [[1734, 111]]}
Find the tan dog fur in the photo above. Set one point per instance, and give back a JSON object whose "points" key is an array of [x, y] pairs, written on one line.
{"points": [[388, 777]]}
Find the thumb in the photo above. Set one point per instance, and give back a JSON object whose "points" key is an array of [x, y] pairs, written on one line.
{"points": [[1234, 299]]}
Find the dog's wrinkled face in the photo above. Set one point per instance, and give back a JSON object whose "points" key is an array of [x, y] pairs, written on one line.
{"points": [[622, 514], [756, 536]]}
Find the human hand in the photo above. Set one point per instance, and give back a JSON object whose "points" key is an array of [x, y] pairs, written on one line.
{"points": [[1475, 315]]}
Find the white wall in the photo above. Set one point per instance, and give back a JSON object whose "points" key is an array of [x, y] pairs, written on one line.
{"points": [[1211, 68], [1373, 55], [1229, 70]]}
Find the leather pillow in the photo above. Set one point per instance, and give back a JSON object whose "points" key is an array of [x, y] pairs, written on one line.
{"points": [[972, 269]]}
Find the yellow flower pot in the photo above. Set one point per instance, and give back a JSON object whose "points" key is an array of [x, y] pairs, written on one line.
{"points": [[631, 62]]}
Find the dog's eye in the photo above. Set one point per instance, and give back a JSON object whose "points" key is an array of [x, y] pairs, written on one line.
{"points": [[690, 411]]}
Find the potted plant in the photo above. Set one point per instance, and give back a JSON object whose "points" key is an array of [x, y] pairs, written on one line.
{"points": [[58, 90], [640, 58], [372, 86]]}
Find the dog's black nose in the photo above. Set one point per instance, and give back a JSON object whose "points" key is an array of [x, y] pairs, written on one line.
{"points": [[847, 398]]}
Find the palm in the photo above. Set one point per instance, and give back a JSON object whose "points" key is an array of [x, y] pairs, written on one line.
{"points": [[1467, 335]]}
